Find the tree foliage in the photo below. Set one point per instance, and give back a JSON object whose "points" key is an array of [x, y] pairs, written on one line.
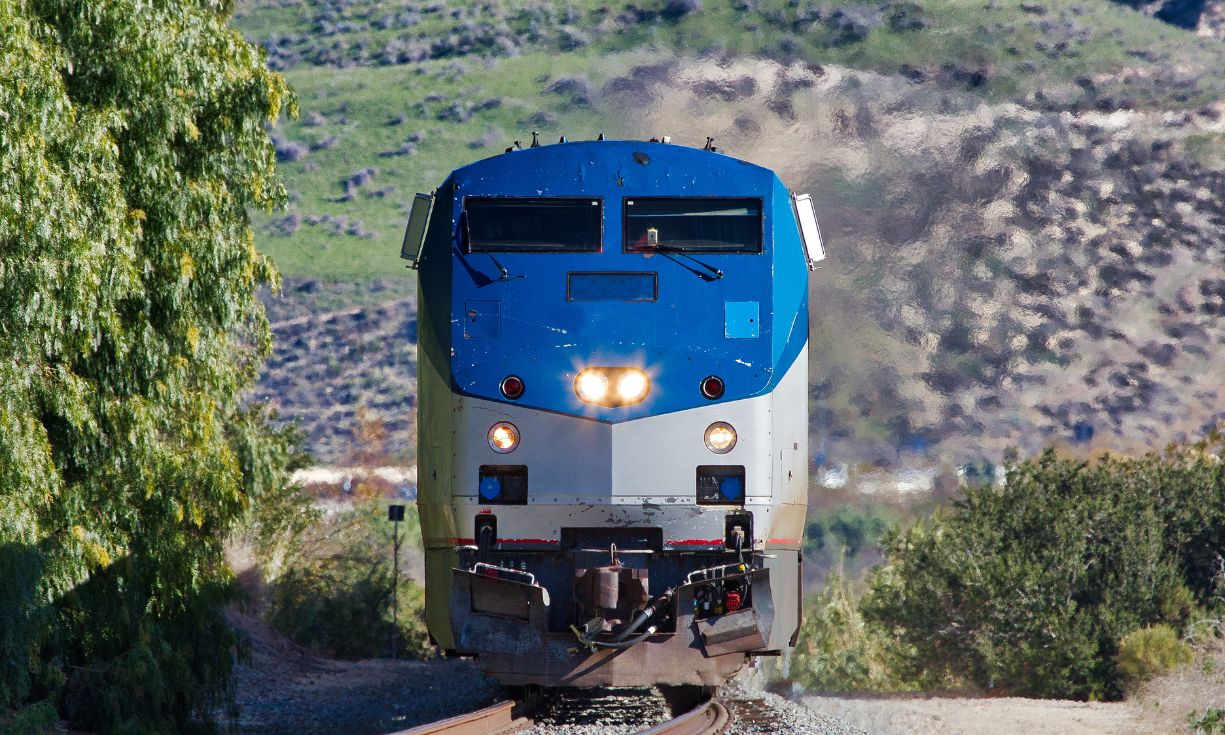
{"points": [[1030, 588], [132, 145]]}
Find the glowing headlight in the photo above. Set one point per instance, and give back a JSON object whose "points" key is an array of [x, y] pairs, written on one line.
{"points": [[591, 386], [503, 437], [720, 437], [612, 386], [633, 385]]}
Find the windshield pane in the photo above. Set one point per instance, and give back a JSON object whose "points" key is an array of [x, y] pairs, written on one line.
{"points": [[532, 224], [731, 225]]}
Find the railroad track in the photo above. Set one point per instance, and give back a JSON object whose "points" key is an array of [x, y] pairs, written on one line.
{"points": [[709, 717], [498, 718]]}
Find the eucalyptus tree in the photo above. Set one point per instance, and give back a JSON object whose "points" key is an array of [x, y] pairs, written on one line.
{"points": [[132, 146]]}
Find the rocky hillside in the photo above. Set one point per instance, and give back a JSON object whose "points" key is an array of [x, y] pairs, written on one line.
{"points": [[999, 276], [1023, 202], [344, 367]]}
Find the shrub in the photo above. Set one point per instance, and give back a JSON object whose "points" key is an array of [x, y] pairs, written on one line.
{"points": [[36, 719], [1149, 652], [846, 529], [1029, 588], [334, 593], [1210, 722], [836, 651]]}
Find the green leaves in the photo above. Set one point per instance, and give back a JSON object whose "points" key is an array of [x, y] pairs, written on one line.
{"points": [[132, 143], [1029, 588]]}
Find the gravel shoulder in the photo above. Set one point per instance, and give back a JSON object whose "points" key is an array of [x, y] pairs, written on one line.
{"points": [[890, 715], [282, 689]]}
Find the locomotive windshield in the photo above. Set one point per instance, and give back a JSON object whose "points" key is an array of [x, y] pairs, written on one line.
{"points": [[502, 224], [694, 225]]}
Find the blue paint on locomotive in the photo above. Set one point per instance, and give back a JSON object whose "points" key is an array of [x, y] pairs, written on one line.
{"points": [[525, 325]]}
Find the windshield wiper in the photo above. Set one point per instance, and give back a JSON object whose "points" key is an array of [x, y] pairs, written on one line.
{"points": [[505, 274], [714, 273]]}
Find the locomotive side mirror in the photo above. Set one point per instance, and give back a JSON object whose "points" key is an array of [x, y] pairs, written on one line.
{"points": [[414, 233], [806, 213]]}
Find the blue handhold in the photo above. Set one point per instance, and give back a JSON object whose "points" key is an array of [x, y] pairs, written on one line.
{"points": [[732, 488], [491, 487]]}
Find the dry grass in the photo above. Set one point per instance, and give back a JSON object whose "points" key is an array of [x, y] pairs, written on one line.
{"points": [[1163, 704]]}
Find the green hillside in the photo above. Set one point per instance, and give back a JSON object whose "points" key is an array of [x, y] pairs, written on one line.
{"points": [[370, 137], [1023, 203], [395, 95]]}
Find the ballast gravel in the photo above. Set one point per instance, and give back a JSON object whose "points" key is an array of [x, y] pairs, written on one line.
{"points": [[627, 711], [281, 689], [764, 713], [599, 711]]}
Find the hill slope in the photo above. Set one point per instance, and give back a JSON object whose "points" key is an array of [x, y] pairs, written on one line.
{"points": [[1023, 202]]}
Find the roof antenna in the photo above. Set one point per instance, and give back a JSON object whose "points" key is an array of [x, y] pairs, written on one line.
{"points": [[601, 137], [535, 139], [710, 144], [562, 139]]}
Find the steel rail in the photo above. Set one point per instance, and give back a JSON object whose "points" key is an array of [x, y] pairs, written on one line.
{"points": [[493, 719], [708, 718]]}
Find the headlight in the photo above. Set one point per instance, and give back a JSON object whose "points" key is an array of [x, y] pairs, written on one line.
{"points": [[632, 386], [503, 437], [720, 437], [612, 386], [591, 386]]}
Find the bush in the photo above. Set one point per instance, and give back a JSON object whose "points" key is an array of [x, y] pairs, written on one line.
{"points": [[1149, 652], [36, 719], [1211, 722], [334, 592], [846, 529], [1030, 588], [836, 651]]}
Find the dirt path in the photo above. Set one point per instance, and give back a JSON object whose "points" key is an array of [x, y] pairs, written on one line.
{"points": [[282, 689], [961, 716]]}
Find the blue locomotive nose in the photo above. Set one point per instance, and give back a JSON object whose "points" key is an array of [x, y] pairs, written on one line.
{"points": [[490, 488], [731, 488]]}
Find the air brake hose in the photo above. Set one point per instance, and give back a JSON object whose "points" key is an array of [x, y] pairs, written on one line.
{"points": [[635, 624], [643, 616]]}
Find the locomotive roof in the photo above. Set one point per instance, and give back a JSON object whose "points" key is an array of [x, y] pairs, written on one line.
{"points": [[535, 167]]}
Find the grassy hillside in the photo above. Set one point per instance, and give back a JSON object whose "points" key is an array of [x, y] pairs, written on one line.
{"points": [[368, 138], [1023, 203], [395, 95]]}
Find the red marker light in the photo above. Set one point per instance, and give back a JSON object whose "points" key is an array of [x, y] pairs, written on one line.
{"points": [[712, 387], [512, 387]]}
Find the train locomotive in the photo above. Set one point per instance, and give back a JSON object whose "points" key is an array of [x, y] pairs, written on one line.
{"points": [[613, 411]]}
